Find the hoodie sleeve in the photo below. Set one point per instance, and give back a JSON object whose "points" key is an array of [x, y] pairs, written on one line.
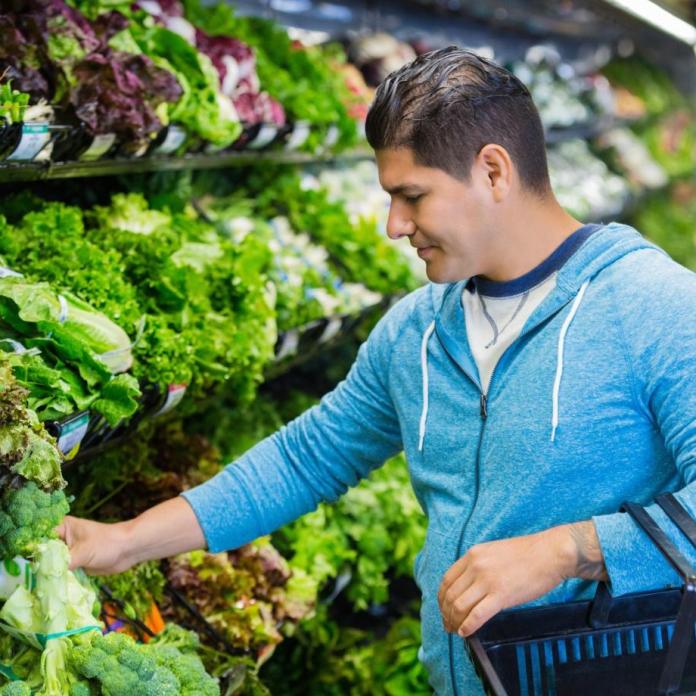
{"points": [[658, 320], [315, 458]]}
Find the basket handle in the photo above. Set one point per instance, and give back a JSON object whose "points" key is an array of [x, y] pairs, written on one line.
{"points": [[599, 611], [681, 640]]}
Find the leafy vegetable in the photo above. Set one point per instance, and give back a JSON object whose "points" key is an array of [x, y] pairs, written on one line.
{"points": [[138, 588], [26, 449], [357, 249], [301, 78], [12, 104], [242, 594]]}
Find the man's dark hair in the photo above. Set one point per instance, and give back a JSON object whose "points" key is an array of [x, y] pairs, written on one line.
{"points": [[448, 104]]}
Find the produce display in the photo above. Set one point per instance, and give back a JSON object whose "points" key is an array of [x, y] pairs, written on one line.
{"points": [[152, 328], [128, 79], [51, 640]]}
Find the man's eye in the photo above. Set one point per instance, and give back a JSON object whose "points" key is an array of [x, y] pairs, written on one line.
{"points": [[413, 199]]}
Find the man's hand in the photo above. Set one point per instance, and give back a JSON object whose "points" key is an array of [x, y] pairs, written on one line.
{"points": [[501, 574], [101, 549], [165, 530]]}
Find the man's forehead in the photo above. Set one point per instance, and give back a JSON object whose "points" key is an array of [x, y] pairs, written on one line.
{"points": [[398, 170]]}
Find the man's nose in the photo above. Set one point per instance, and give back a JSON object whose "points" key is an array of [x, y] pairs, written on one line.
{"points": [[399, 224]]}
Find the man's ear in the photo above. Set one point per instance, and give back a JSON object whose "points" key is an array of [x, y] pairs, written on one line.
{"points": [[496, 171]]}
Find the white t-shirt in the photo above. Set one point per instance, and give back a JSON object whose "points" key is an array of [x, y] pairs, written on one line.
{"points": [[496, 312], [493, 323]]}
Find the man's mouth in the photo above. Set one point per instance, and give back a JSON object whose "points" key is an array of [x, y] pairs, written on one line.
{"points": [[425, 252]]}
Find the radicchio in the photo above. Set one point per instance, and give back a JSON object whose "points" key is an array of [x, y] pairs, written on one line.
{"points": [[119, 92], [236, 66]]}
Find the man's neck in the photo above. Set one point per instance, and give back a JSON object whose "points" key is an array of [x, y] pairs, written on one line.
{"points": [[533, 235]]}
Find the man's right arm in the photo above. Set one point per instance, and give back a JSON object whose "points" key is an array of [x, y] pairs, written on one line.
{"points": [[315, 458], [164, 530]]}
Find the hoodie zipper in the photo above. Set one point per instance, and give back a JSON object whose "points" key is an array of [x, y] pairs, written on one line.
{"points": [[483, 402]]}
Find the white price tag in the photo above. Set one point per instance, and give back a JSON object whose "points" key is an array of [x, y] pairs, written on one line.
{"points": [[331, 137], [9, 273], [265, 136], [175, 393], [331, 330], [72, 433], [100, 145], [299, 135], [291, 340], [35, 136], [172, 142]]}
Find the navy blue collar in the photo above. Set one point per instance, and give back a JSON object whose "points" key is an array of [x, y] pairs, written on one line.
{"points": [[508, 288]]}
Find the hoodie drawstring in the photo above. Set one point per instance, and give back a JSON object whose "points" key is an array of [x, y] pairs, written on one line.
{"points": [[424, 373], [559, 357]]}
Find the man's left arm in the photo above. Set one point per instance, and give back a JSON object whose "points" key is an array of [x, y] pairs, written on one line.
{"points": [[501, 574], [661, 344]]}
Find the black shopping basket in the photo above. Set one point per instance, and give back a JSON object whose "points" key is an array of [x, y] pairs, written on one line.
{"points": [[636, 645]]}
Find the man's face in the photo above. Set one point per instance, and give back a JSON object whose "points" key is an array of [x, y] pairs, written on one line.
{"points": [[447, 220]]}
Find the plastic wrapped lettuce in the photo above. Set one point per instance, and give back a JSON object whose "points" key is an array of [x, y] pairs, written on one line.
{"points": [[78, 331], [69, 356]]}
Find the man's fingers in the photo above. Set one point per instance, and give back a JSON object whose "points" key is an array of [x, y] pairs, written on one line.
{"points": [[457, 588], [450, 577], [486, 609], [456, 609]]}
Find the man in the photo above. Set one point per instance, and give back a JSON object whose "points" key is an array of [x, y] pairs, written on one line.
{"points": [[541, 379]]}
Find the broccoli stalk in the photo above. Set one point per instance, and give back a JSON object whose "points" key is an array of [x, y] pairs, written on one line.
{"points": [[57, 604], [52, 594]]}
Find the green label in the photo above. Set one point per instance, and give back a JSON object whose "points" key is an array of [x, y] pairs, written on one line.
{"points": [[12, 568]]}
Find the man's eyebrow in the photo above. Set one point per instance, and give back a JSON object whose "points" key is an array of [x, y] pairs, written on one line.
{"points": [[401, 188]]}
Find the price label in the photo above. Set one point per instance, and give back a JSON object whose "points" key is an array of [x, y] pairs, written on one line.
{"points": [[264, 137], [288, 346], [35, 137], [172, 142], [331, 137], [101, 144], [175, 393], [331, 330], [299, 135], [72, 432], [9, 273]]}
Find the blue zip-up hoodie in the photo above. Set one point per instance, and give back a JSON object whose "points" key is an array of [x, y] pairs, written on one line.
{"points": [[593, 404]]}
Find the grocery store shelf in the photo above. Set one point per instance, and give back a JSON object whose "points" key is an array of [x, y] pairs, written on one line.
{"points": [[11, 172], [36, 171], [295, 346], [85, 435]]}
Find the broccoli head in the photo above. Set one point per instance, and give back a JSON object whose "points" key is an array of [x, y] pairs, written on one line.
{"points": [[28, 515], [189, 670], [122, 668], [15, 688]]}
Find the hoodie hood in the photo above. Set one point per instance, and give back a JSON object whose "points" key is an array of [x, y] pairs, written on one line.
{"points": [[607, 245], [603, 248]]}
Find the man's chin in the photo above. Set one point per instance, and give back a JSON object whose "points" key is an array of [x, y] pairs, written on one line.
{"points": [[437, 274]]}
